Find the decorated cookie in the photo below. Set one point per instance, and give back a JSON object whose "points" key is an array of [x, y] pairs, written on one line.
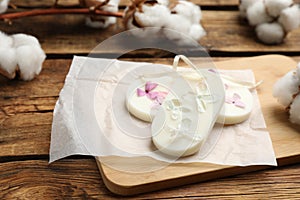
{"points": [[179, 130], [183, 106], [143, 97], [238, 105], [181, 127]]}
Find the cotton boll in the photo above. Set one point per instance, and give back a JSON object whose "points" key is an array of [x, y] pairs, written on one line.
{"points": [[196, 32], [3, 6], [274, 7], [244, 5], [290, 18], [100, 24], [150, 15], [5, 40], [29, 59], [180, 25], [163, 2], [102, 21], [20, 52], [156, 15], [298, 71], [23, 39], [286, 87], [295, 110], [8, 62], [270, 33], [256, 14], [189, 10], [182, 17]]}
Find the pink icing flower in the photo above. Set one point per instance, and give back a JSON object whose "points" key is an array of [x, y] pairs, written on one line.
{"points": [[153, 95], [235, 100]]}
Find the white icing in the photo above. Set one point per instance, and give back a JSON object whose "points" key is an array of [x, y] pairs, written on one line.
{"points": [[231, 112], [142, 107], [183, 135]]}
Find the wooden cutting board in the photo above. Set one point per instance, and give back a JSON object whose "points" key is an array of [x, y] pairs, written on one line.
{"points": [[285, 137]]}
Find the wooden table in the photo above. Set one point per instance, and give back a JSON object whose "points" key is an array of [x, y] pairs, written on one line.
{"points": [[26, 110]]}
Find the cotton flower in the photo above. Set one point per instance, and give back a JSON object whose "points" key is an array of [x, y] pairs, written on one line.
{"points": [[257, 14], [290, 18], [101, 21], [294, 110], [30, 55], [182, 17], [287, 92], [272, 19], [20, 53], [270, 33], [244, 5], [3, 5], [274, 7]]}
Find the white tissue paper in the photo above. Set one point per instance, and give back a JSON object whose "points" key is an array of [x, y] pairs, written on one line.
{"points": [[90, 118]]}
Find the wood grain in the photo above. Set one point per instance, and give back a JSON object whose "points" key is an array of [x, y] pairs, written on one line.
{"points": [[226, 34], [79, 178], [26, 111], [41, 3]]}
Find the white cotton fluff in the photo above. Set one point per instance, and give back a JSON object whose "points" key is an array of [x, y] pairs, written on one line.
{"points": [[163, 2], [270, 33], [20, 52], [8, 61], [287, 92], [177, 29], [5, 40], [30, 55], [273, 19], [197, 31], [290, 18], [295, 110], [274, 7], [153, 16], [256, 14], [30, 59], [188, 10], [244, 5], [177, 24], [286, 87], [3, 6], [21, 39], [103, 21]]}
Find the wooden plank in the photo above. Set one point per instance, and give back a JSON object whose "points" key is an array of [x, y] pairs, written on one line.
{"points": [[26, 110], [42, 3], [67, 35], [284, 135], [79, 178], [227, 33], [216, 3]]}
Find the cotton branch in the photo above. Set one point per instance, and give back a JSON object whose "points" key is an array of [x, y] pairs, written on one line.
{"points": [[55, 11]]}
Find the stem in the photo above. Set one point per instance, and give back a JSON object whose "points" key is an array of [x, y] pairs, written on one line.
{"points": [[55, 11]]}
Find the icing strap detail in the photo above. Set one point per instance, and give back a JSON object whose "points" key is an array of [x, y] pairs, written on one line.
{"points": [[241, 83]]}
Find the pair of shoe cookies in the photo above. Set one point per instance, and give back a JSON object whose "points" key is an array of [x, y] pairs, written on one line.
{"points": [[184, 111]]}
